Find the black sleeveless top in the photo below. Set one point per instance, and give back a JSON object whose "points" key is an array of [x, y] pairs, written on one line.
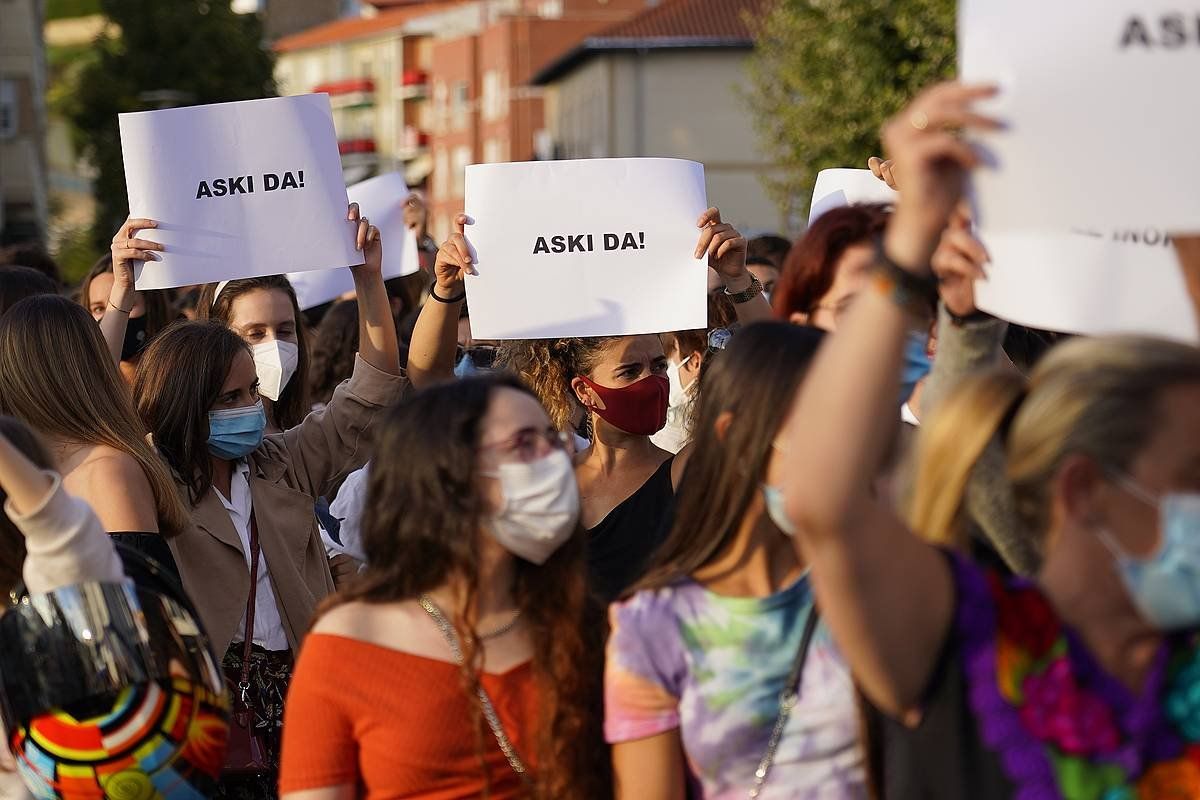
{"points": [[620, 546]]}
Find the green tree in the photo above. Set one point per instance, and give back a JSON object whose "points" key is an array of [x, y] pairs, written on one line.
{"points": [[169, 52], [826, 74]]}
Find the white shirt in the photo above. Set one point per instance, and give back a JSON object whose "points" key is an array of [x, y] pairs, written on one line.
{"points": [[348, 508], [907, 415], [268, 625]]}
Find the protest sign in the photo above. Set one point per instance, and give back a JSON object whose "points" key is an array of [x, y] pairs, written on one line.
{"points": [[842, 187], [598, 247], [381, 199], [238, 189], [1089, 282], [1094, 95]]}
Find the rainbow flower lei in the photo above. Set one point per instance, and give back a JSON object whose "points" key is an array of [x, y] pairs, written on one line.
{"points": [[1060, 725]]}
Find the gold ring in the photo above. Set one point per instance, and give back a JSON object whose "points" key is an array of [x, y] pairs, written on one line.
{"points": [[919, 120]]}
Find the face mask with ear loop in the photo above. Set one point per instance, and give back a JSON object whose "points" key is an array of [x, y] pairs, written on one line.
{"points": [[675, 434], [1165, 586]]}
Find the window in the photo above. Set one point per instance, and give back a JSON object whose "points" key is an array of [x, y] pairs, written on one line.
{"points": [[493, 95], [459, 98], [550, 9], [8, 109], [462, 157], [441, 169], [493, 151]]}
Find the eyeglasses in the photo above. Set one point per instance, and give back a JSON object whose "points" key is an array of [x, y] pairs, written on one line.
{"points": [[836, 310], [530, 444]]}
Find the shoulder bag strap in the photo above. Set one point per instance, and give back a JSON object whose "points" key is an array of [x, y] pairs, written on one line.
{"points": [[248, 644], [787, 701]]}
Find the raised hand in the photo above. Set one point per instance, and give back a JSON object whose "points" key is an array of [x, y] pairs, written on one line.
{"points": [[367, 239], [921, 142], [127, 251], [726, 248], [958, 263], [454, 260]]}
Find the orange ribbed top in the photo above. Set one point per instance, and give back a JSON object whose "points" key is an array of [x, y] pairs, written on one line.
{"points": [[398, 725]]}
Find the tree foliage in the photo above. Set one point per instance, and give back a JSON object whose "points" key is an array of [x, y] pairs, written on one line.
{"points": [[826, 74], [199, 50]]}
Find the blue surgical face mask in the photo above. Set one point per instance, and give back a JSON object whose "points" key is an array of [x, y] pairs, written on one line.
{"points": [[1165, 586], [777, 509], [916, 363], [235, 433]]}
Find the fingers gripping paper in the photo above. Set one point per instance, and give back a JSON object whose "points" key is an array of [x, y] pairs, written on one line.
{"points": [[1099, 101], [600, 247], [1090, 282], [381, 200], [238, 189]]}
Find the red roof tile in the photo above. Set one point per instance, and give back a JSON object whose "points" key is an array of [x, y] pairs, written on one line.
{"points": [[688, 19], [344, 30]]}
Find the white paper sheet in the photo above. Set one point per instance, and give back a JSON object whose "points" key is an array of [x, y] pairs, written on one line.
{"points": [[380, 199], [842, 187], [622, 263], [1124, 281], [239, 189], [1099, 97]]}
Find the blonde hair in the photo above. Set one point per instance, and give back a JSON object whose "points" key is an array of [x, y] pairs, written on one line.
{"points": [[547, 367], [1094, 397], [57, 376]]}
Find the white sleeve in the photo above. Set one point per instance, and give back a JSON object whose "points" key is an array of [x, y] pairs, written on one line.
{"points": [[65, 542], [348, 508]]}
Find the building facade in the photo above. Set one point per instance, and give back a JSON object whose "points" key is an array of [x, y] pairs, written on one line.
{"points": [[668, 83], [24, 201]]}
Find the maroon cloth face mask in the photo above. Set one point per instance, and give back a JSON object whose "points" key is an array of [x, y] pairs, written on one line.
{"points": [[639, 408]]}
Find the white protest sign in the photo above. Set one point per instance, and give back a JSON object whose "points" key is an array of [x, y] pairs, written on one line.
{"points": [[598, 247], [380, 199], [1123, 281], [1099, 100], [843, 187], [239, 189]]}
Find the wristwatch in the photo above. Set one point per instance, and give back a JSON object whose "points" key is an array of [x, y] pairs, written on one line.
{"points": [[755, 289]]}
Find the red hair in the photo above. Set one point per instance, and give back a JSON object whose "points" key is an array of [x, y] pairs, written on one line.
{"points": [[811, 266]]}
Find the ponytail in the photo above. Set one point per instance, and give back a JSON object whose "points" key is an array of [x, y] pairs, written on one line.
{"points": [[976, 413]]}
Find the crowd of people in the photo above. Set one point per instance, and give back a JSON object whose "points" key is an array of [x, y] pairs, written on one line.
{"points": [[856, 538]]}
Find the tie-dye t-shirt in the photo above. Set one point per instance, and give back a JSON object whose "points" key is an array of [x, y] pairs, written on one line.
{"points": [[714, 667]]}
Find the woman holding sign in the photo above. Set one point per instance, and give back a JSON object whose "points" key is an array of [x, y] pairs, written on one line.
{"points": [[251, 497], [1083, 682], [144, 314]]}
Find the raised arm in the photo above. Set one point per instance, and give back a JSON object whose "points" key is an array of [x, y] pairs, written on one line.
{"points": [[726, 250], [887, 596], [127, 250], [1188, 250], [431, 352], [377, 344]]}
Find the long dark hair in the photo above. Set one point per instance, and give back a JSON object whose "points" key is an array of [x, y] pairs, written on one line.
{"points": [[12, 541], [423, 518], [293, 405], [57, 375], [157, 301], [178, 379], [756, 379], [333, 352], [17, 283]]}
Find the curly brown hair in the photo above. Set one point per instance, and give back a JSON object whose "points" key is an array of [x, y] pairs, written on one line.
{"points": [[547, 367], [423, 519]]}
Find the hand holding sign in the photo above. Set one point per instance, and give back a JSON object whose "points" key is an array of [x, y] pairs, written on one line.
{"points": [[726, 249], [454, 261], [934, 163], [958, 263], [127, 249], [366, 239]]}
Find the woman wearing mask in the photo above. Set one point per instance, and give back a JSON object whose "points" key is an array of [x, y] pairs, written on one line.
{"points": [[144, 314], [685, 353], [723, 625], [251, 497], [80, 406], [466, 660], [1080, 684], [626, 482]]}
